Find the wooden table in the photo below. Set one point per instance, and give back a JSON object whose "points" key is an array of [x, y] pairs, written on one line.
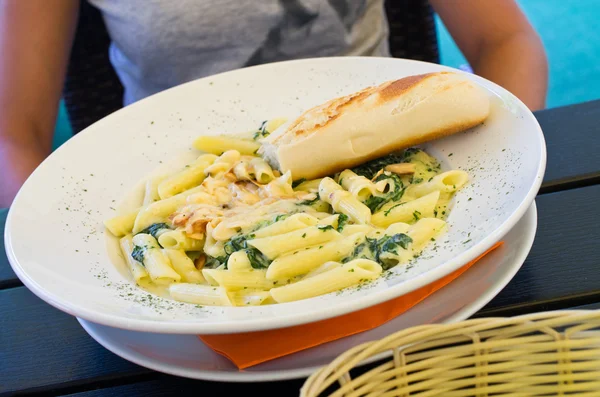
{"points": [[45, 351]]}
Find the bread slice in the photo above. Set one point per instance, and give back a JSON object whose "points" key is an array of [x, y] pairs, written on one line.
{"points": [[350, 130]]}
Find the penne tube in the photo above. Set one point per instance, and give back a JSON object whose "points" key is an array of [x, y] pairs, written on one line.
{"points": [[237, 280], [184, 266], [406, 212], [322, 269], [157, 264], [274, 246], [178, 239], [423, 231], [309, 186], [121, 225], [199, 294], [242, 170], [349, 230], [158, 212], [223, 163], [303, 261], [220, 144], [344, 276], [261, 171], [137, 270], [189, 177], [331, 220], [359, 186], [249, 297], [291, 223], [343, 201], [239, 262], [213, 247], [396, 228], [151, 191], [446, 182]]}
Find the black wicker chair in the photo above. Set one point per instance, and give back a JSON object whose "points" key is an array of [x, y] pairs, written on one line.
{"points": [[92, 89]]}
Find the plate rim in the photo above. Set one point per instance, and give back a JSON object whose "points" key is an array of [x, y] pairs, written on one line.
{"points": [[257, 324], [268, 376]]}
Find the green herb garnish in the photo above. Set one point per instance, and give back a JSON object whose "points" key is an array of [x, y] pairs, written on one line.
{"points": [[298, 182], [257, 259], [342, 221], [325, 228], [154, 229], [262, 131], [138, 254]]}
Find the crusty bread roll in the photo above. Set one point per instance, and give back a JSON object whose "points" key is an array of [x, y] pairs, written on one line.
{"points": [[368, 124]]}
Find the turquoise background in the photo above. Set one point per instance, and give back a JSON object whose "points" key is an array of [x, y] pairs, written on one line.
{"points": [[569, 31]]}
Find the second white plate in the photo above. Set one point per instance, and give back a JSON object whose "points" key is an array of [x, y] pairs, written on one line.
{"points": [[187, 356]]}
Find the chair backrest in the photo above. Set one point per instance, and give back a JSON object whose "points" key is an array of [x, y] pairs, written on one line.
{"points": [[93, 90]]}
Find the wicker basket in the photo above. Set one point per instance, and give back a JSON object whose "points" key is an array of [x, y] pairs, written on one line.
{"points": [[542, 354]]}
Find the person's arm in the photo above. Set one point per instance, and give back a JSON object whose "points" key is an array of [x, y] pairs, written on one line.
{"points": [[35, 40], [500, 45]]}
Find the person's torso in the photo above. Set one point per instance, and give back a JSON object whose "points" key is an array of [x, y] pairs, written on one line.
{"points": [[158, 44]]}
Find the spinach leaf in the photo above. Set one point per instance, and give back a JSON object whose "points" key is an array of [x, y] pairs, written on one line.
{"points": [[325, 228], [235, 244], [257, 259], [409, 153], [310, 202], [375, 202], [240, 243], [154, 229], [342, 221], [138, 253], [391, 243], [298, 182], [281, 217], [371, 168], [372, 248], [213, 263], [262, 131]]}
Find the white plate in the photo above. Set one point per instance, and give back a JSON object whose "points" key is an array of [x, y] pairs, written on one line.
{"points": [[186, 355], [55, 239]]}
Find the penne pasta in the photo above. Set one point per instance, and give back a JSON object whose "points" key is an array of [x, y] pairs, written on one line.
{"points": [[294, 222], [301, 262], [261, 171], [338, 278], [309, 186], [274, 246], [151, 190], [249, 297], [423, 231], [154, 260], [184, 266], [236, 280], [159, 211], [200, 294], [187, 178], [229, 230], [359, 186], [139, 273], [178, 239], [121, 225], [239, 262], [220, 144], [447, 182], [395, 212], [343, 202]]}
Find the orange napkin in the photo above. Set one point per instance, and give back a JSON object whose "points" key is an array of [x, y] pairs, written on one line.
{"points": [[252, 348]]}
